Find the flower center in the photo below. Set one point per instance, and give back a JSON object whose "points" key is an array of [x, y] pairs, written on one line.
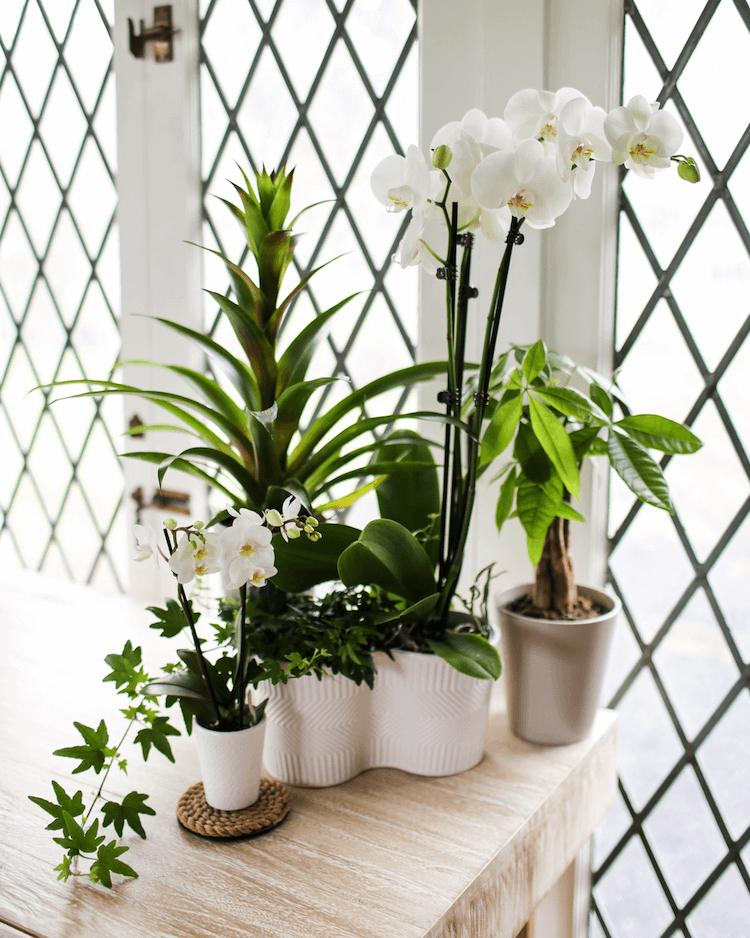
{"points": [[200, 553], [548, 129], [581, 154], [201, 569], [641, 149], [521, 201], [247, 550]]}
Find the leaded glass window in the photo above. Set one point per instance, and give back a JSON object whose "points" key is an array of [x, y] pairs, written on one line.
{"points": [[329, 88], [61, 484], [672, 856]]}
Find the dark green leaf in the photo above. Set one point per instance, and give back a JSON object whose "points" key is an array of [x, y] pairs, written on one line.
{"points": [[72, 805], [302, 564], [537, 506], [660, 433], [572, 403], [133, 805], [171, 620], [156, 735], [638, 471], [126, 671], [470, 654], [108, 862], [389, 556], [419, 611], [529, 453], [582, 440], [92, 754]]}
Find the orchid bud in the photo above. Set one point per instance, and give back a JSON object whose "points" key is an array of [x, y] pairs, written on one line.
{"points": [[308, 529], [198, 525], [689, 170], [441, 157], [273, 518], [170, 524], [312, 521], [292, 532]]}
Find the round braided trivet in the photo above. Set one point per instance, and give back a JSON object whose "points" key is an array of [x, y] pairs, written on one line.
{"points": [[272, 806]]}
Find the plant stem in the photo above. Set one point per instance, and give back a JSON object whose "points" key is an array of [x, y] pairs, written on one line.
{"points": [[480, 398], [239, 679], [98, 795], [198, 651]]}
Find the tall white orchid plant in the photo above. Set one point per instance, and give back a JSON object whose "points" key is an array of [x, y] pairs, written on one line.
{"points": [[492, 176]]}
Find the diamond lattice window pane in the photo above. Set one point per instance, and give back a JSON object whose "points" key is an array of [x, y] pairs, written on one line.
{"points": [[59, 278], [681, 346]]}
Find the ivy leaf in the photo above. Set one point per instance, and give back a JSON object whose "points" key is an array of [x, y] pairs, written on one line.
{"points": [[126, 671], [171, 620], [156, 735], [74, 806], [77, 840], [133, 804], [94, 753], [107, 862], [64, 869]]}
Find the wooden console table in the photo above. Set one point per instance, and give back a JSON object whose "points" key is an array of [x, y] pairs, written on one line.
{"points": [[386, 855]]}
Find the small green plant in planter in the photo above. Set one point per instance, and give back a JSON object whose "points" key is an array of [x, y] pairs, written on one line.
{"points": [[553, 428], [210, 685]]}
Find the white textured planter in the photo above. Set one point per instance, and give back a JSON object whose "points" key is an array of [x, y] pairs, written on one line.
{"points": [[422, 716], [231, 765], [554, 669]]}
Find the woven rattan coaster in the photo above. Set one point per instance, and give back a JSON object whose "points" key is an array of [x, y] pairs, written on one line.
{"points": [[272, 806]]}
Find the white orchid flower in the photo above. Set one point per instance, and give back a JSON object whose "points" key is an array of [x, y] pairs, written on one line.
{"points": [[402, 182], [412, 250], [145, 542], [580, 141], [196, 555], [247, 554], [532, 114], [643, 137], [470, 140], [524, 181], [286, 519]]}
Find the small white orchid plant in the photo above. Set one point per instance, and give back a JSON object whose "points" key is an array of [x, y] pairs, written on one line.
{"points": [[243, 553], [493, 175]]}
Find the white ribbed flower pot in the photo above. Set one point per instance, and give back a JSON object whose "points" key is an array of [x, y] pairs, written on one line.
{"points": [[231, 765], [422, 716]]}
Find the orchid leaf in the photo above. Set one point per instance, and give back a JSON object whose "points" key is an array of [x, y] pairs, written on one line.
{"points": [[389, 556], [302, 564], [638, 471], [417, 612], [555, 443], [470, 654], [660, 433]]}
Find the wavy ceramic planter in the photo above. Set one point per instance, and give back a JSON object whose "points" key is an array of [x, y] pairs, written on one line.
{"points": [[422, 716], [554, 670]]}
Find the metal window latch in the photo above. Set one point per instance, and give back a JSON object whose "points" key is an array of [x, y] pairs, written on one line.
{"points": [[160, 34]]}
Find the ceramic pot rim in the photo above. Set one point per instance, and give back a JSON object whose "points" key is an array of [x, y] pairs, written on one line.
{"points": [[612, 604], [245, 729]]}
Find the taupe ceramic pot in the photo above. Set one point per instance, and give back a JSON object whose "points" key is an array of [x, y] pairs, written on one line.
{"points": [[554, 670]]}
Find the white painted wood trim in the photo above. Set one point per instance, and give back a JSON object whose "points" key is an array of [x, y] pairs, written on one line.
{"points": [[476, 54], [159, 192]]}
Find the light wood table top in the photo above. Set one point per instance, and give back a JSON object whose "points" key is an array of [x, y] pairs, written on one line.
{"points": [[386, 855]]}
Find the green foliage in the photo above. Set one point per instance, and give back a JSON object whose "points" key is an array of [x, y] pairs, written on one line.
{"points": [[78, 829], [171, 621], [555, 427]]}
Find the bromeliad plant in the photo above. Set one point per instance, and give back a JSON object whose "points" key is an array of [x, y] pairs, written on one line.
{"points": [[251, 446], [493, 176]]}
